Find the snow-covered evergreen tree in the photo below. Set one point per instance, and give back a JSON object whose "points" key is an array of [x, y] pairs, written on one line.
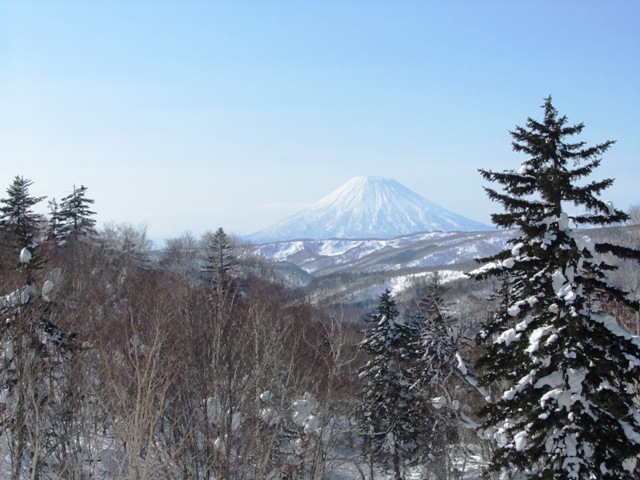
{"points": [[570, 374], [71, 218], [391, 412], [437, 339], [16, 212], [20, 225], [438, 378]]}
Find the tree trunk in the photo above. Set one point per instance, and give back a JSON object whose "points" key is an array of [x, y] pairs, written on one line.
{"points": [[397, 471]]}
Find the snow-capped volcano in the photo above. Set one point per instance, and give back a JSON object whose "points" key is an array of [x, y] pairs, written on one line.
{"points": [[367, 207]]}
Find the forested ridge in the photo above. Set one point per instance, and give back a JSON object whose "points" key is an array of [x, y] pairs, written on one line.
{"points": [[199, 362]]}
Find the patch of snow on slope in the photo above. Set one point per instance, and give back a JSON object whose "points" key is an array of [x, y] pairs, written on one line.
{"points": [[402, 282], [334, 248], [286, 250]]}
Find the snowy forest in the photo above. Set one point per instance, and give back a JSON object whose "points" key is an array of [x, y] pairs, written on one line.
{"points": [[197, 361]]}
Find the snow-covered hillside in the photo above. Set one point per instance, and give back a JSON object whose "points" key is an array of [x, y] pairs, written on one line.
{"points": [[367, 207], [417, 251]]}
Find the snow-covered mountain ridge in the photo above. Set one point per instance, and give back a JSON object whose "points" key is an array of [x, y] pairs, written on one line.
{"points": [[417, 251], [357, 269], [364, 208]]}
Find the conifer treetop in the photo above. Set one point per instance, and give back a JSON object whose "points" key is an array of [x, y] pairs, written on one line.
{"points": [[16, 211], [546, 182], [71, 218]]}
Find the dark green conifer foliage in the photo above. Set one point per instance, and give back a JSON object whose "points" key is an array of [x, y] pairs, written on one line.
{"points": [[20, 225], [391, 413], [220, 263], [55, 221], [569, 372], [16, 212], [71, 219]]}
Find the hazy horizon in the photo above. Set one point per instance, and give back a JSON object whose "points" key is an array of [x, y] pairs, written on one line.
{"points": [[189, 116]]}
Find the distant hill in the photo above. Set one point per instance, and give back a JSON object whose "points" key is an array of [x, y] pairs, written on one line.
{"points": [[417, 252], [367, 207], [346, 272]]}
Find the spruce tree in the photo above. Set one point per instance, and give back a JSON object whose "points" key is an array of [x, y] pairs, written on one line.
{"points": [[220, 263], [55, 221], [437, 345], [72, 217], [20, 226], [569, 372], [391, 410], [16, 212], [437, 377]]}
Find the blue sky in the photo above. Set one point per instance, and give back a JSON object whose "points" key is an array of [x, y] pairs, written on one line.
{"points": [[194, 115]]}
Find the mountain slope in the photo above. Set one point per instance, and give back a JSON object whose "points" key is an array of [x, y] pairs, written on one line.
{"points": [[367, 207], [419, 251]]}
